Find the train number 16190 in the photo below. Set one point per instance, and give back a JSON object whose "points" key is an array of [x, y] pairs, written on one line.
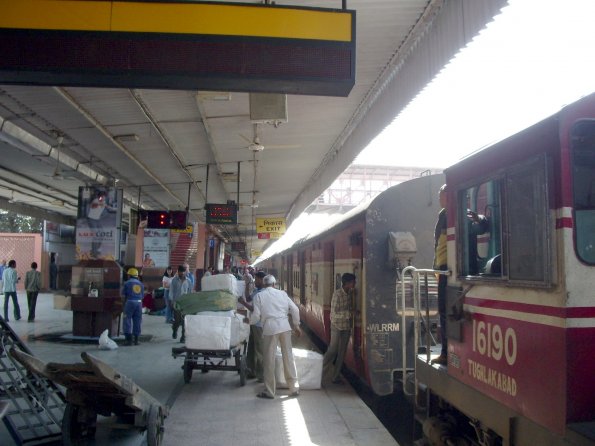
{"points": [[488, 340]]}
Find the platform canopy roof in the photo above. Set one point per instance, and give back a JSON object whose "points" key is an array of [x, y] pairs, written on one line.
{"points": [[156, 143]]}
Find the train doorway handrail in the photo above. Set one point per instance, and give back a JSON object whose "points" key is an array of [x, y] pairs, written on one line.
{"points": [[416, 295]]}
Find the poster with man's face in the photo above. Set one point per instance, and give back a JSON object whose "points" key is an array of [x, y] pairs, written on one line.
{"points": [[98, 223]]}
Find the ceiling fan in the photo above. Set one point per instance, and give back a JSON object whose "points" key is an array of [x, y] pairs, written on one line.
{"points": [[58, 173], [255, 145]]}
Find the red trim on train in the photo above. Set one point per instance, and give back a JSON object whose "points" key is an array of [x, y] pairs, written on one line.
{"points": [[580, 312], [564, 222], [450, 237], [543, 310], [581, 370]]}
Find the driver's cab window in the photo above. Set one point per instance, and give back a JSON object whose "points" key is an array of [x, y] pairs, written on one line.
{"points": [[583, 171], [481, 234]]}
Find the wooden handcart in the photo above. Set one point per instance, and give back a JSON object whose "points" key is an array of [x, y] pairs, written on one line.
{"points": [[95, 388], [206, 360]]}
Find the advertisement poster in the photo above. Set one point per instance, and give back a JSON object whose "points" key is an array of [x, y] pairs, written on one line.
{"points": [[156, 248], [98, 223]]}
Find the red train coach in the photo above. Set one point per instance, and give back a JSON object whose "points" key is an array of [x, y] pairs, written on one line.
{"points": [[360, 243], [521, 359]]}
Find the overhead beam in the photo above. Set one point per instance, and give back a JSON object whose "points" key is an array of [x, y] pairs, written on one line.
{"points": [[37, 212], [178, 45]]}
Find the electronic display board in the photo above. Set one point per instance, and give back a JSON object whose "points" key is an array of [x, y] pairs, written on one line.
{"points": [[221, 214]]}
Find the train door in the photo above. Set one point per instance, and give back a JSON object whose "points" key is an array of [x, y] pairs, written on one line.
{"points": [[282, 277], [302, 279], [328, 277], [357, 254], [289, 260]]}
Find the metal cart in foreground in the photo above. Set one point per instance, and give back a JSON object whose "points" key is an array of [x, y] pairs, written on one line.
{"points": [[206, 360], [34, 405], [95, 388]]}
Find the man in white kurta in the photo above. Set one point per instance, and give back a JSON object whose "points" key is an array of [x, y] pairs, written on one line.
{"points": [[272, 307]]}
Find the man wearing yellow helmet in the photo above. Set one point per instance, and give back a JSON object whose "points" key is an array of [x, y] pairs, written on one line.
{"points": [[133, 292]]}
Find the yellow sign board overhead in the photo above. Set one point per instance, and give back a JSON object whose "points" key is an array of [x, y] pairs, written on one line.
{"points": [[270, 227], [180, 18], [182, 45]]}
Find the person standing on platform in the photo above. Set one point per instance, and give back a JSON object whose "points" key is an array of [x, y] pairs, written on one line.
{"points": [[272, 307], [32, 286], [133, 293], [341, 323], [2, 268], [10, 278], [180, 285], [440, 259], [166, 282], [53, 271], [254, 356], [190, 276], [248, 279]]}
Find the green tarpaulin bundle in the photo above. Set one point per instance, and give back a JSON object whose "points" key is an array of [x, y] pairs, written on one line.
{"points": [[217, 300]]}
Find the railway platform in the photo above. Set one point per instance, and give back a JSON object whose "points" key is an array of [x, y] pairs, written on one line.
{"points": [[213, 409]]}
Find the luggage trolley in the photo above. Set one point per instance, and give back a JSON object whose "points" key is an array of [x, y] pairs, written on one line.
{"points": [[94, 388], [206, 360]]}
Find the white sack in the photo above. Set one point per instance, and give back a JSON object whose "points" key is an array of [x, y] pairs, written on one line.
{"points": [[240, 288], [226, 282], [239, 330], [105, 343], [308, 365], [207, 332]]}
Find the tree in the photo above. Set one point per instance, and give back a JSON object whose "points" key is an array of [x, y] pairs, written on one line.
{"points": [[18, 223]]}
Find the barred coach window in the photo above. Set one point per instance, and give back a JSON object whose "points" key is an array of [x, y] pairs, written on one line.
{"points": [[583, 182]]}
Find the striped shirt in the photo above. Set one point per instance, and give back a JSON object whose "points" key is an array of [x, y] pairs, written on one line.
{"points": [[341, 310]]}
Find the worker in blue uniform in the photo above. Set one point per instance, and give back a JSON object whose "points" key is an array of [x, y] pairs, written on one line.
{"points": [[133, 292]]}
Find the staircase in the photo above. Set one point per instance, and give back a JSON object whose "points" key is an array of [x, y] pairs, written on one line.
{"points": [[183, 249]]}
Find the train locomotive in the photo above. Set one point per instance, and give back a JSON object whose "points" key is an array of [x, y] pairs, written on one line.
{"points": [[373, 241], [520, 296], [520, 293]]}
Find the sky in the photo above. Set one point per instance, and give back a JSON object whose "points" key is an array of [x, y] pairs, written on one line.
{"points": [[534, 58]]}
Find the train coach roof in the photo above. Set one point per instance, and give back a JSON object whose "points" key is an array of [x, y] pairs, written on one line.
{"points": [[506, 150], [336, 220]]}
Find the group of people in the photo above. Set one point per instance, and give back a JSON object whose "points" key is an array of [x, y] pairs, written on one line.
{"points": [[10, 279], [273, 318], [133, 293]]}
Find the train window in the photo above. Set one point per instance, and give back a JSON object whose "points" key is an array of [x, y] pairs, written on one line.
{"points": [[505, 226], [583, 182], [481, 230]]}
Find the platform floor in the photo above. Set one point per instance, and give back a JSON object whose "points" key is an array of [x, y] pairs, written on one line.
{"points": [[213, 409]]}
